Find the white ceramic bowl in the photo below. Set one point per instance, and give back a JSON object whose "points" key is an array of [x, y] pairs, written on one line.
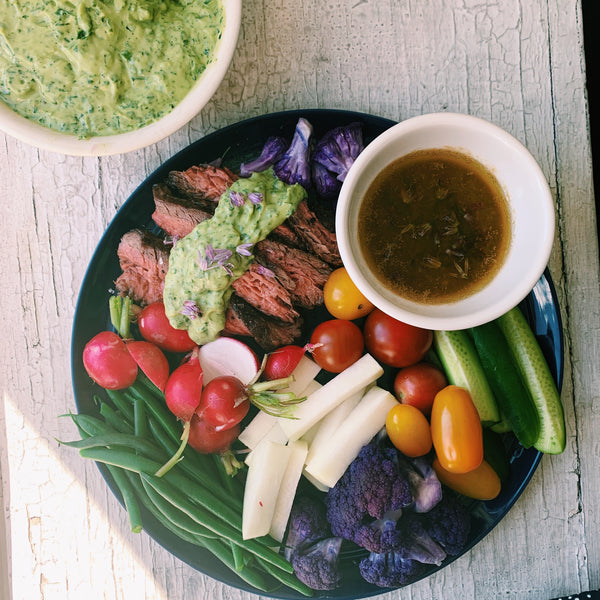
{"points": [[47, 139], [529, 198]]}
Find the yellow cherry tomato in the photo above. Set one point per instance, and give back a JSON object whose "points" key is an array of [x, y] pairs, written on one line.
{"points": [[456, 430], [482, 483], [408, 429], [343, 299]]}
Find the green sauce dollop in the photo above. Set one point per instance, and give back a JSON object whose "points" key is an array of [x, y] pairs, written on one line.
{"points": [[93, 67], [204, 264]]}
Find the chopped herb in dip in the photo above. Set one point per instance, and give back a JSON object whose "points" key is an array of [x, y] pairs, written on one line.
{"points": [[92, 67], [204, 264]]}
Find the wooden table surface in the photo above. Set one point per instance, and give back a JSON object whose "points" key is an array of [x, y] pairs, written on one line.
{"points": [[517, 63]]}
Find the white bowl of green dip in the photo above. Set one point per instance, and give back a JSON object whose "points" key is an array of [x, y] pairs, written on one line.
{"points": [[107, 77]]}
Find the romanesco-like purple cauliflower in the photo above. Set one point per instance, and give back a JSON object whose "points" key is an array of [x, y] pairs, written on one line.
{"points": [[294, 166]]}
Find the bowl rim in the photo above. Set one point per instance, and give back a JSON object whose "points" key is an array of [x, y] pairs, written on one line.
{"points": [[201, 92], [434, 319]]}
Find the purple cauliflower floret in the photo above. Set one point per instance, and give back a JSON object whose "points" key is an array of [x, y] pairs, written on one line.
{"points": [[272, 151], [371, 489], [389, 569], [334, 154], [294, 166], [415, 542], [449, 524], [317, 564], [307, 523], [424, 483]]}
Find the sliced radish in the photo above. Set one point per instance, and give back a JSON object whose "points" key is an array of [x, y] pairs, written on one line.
{"points": [[151, 360], [228, 356]]}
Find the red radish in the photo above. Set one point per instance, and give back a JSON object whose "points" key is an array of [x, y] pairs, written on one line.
{"points": [[283, 361], [228, 356], [207, 440], [151, 360], [224, 402], [184, 389], [108, 363], [155, 327]]}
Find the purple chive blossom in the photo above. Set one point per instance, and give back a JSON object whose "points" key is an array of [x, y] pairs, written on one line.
{"points": [[255, 197], [214, 258], [190, 309], [171, 240], [244, 249], [236, 198], [202, 261], [264, 271]]}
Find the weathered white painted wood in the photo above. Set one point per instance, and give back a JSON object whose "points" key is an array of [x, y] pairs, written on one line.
{"points": [[517, 63]]}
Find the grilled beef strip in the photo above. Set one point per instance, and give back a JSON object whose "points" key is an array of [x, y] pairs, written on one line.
{"points": [[316, 237], [201, 182], [301, 273]]}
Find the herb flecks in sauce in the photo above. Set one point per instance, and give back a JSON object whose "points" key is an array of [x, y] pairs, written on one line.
{"points": [[93, 68], [204, 264], [434, 226]]}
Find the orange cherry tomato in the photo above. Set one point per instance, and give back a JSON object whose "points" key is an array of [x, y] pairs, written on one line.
{"points": [[343, 299], [482, 483], [408, 429], [456, 430]]}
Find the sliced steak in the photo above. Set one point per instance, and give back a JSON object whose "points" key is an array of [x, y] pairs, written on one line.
{"points": [[201, 181], [178, 216], [269, 333], [317, 238], [265, 293], [301, 273], [138, 287], [234, 324]]}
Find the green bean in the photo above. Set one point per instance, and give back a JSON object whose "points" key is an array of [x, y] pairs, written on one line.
{"points": [[121, 403], [286, 578], [159, 411], [129, 498], [91, 425], [113, 418], [126, 440], [174, 515], [178, 499], [140, 424]]}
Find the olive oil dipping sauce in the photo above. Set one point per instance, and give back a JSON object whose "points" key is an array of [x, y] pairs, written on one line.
{"points": [[434, 226]]}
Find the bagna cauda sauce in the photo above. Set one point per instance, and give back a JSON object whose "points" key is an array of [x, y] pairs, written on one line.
{"points": [[434, 226]]}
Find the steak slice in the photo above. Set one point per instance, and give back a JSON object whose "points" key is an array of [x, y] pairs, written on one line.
{"points": [[144, 259], [178, 216], [268, 332], [317, 238], [265, 293], [201, 182], [301, 273]]}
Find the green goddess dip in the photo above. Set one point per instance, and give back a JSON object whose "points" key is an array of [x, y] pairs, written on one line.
{"points": [[204, 264], [93, 67]]}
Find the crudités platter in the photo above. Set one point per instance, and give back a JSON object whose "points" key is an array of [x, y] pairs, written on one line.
{"points": [[235, 144]]}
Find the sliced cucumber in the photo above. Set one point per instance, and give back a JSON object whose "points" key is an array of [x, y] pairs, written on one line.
{"points": [[512, 395], [463, 368], [538, 379]]}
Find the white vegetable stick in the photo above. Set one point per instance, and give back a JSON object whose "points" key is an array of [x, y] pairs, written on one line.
{"points": [[306, 370], [287, 491], [265, 474], [330, 423], [358, 428], [356, 377], [313, 386], [320, 486], [275, 434], [257, 429]]}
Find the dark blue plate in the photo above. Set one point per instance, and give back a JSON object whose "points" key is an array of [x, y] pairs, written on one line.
{"points": [[238, 143]]}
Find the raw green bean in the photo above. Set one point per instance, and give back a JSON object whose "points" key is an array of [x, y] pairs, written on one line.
{"points": [[113, 418], [121, 403], [126, 440], [178, 499], [173, 514], [159, 411], [129, 498], [91, 425], [140, 464], [140, 424], [288, 579]]}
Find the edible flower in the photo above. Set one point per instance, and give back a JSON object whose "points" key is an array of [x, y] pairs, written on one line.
{"points": [[190, 309], [213, 258], [255, 197], [244, 249], [236, 198]]}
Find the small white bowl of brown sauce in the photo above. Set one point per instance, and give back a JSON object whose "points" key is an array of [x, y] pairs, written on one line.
{"points": [[445, 221]]}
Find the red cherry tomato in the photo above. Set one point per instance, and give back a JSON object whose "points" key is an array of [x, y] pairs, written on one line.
{"points": [[203, 438], [338, 344], [224, 402], [393, 342], [155, 327], [151, 360], [456, 430], [418, 384], [108, 363]]}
